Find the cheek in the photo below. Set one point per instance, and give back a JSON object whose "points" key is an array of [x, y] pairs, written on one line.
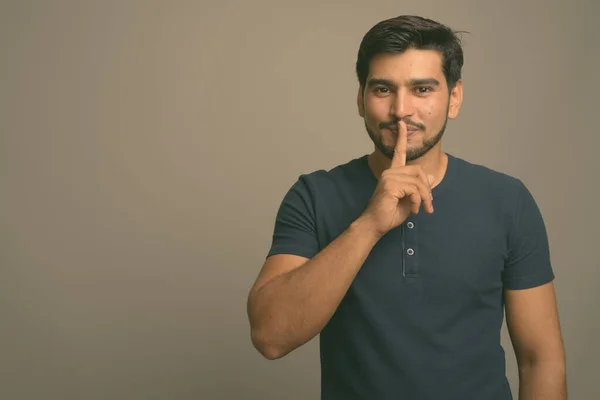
{"points": [[431, 107], [372, 106], [377, 109], [434, 110]]}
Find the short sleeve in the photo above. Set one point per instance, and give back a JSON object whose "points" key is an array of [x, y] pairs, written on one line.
{"points": [[528, 264], [295, 228]]}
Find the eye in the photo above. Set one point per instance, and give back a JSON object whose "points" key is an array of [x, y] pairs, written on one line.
{"points": [[423, 90], [382, 90]]}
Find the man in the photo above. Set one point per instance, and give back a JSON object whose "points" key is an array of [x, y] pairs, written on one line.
{"points": [[405, 260]]}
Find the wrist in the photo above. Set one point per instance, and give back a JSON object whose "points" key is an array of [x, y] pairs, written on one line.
{"points": [[365, 229]]}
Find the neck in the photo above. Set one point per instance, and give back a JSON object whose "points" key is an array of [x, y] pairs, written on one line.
{"points": [[433, 163]]}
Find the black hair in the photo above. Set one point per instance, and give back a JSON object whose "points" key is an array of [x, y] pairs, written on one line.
{"points": [[398, 34]]}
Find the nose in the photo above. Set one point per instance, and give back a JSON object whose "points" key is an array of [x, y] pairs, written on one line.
{"points": [[402, 106]]}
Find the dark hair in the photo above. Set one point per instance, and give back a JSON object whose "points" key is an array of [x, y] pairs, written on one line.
{"points": [[396, 35]]}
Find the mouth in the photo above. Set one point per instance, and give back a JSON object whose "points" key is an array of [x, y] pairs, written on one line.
{"points": [[409, 131]]}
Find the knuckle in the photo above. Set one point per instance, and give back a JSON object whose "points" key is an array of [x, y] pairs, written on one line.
{"points": [[387, 182]]}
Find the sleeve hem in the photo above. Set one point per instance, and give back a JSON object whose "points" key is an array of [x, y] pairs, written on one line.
{"points": [[293, 250], [529, 282]]}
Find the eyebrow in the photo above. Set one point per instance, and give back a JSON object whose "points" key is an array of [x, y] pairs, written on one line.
{"points": [[412, 82]]}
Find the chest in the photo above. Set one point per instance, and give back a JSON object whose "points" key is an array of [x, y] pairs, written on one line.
{"points": [[454, 256]]}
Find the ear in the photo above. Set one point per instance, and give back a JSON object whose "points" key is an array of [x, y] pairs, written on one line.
{"points": [[456, 98], [360, 102]]}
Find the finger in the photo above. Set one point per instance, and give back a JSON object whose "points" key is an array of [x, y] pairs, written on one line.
{"points": [[417, 176], [416, 201], [405, 187], [399, 158], [424, 194], [412, 191], [428, 199], [426, 182]]}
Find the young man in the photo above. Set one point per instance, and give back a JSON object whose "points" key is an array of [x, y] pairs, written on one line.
{"points": [[404, 260]]}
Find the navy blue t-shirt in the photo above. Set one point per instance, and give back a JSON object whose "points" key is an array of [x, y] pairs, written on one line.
{"points": [[422, 319]]}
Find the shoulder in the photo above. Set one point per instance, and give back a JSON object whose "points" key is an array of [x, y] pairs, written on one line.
{"points": [[345, 170], [485, 187], [484, 179], [324, 180], [318, 193], [484, 174]]}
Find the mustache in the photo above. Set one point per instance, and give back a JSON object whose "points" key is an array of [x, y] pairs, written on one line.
{"points": [[394, 125]]}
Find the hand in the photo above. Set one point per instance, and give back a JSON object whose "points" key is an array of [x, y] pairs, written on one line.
{"points": [[401, 190]]}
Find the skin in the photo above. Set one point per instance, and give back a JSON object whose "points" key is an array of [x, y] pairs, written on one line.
{"points": [[408, 87], [534, 328], [294, 297]]}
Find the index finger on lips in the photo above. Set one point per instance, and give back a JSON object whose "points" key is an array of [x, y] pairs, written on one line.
{"points": [[399, 158]]}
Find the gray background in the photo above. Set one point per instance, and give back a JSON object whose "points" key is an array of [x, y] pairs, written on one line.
{"points": [[145, 147]]}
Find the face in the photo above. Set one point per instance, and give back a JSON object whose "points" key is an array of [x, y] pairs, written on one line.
{"points": [[411, 87]]}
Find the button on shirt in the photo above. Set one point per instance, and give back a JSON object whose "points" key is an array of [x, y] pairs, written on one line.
{"points": [[422, 318]]}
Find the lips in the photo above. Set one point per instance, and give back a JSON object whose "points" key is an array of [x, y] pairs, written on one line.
{"points": [[409, 131]]}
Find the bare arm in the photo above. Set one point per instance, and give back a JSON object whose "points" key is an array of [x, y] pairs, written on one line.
{"points": [[533, 324], [294, 298]]}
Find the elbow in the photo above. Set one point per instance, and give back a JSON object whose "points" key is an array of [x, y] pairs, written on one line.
{"points": [[554, 359], [265, 339], [266, 346]]}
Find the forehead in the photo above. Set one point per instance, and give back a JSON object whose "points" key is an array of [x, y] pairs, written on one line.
{"points": [[412, 64]]}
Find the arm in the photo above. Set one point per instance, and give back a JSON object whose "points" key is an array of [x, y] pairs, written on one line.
{"points": [[294, 297], [530, 304], [533, 324]]}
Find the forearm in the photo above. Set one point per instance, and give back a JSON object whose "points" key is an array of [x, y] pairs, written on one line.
{"points": [[293, 308], [542, 380]]}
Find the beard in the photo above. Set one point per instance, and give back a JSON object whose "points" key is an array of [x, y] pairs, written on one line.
{"points": [[412, 153]]}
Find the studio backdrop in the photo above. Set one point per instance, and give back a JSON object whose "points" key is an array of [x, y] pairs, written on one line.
{"points": [[146, 145]]}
